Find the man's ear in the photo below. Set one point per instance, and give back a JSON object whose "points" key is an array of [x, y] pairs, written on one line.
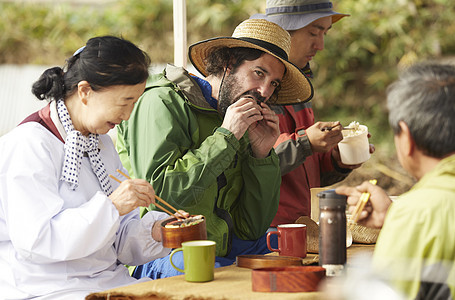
{"points": [[407, 143], [83, 90], [229, 66], [228, 69]]}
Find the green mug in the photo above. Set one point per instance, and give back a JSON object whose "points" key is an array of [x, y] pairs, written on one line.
{"points": [[198, 260]]}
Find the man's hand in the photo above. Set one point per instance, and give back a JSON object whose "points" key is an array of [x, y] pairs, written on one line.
{"points": [[263, 134], [240, 115], [323, 136], [376, 209]]}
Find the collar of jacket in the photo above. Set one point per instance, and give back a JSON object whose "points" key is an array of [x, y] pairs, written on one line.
{"points": [[307, 71], [188, 86]]}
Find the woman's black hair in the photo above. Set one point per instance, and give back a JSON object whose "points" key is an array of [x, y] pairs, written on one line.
{"points": [[104, 61]]}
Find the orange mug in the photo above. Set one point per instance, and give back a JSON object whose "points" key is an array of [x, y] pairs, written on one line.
{"points": [[291, 240]]}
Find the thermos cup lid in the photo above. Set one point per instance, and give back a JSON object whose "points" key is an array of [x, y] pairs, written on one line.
{"points": [[331, 199]]}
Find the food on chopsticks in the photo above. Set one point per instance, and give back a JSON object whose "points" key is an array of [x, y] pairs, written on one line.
{"points": [[194, 220], [354, 124]]}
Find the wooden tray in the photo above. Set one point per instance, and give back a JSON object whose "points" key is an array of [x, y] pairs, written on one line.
{"points": [[271, 260], [287, 279], [310, 259]]}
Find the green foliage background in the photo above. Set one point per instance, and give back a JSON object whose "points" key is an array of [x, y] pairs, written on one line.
{"points": [[362, 56]]}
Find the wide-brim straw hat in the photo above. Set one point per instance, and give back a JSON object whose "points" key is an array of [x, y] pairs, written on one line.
{"points": [[266, 36], [296, 14]]}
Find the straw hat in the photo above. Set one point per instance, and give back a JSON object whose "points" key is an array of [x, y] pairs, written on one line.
{"points": [[296, 14], [265, 36]]}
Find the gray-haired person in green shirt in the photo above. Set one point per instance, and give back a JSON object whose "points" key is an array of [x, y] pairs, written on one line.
{"points": [[415, 250]]}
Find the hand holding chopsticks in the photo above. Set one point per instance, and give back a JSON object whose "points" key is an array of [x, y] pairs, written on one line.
{"points": [[360, 205], [177, 214]]}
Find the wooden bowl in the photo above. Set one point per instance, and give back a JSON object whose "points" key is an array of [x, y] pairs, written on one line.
{"points": [[287, 279], [266, 261], [174, 237]]}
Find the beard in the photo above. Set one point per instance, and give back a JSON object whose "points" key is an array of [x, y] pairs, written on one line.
{"points": [[231, 86]]}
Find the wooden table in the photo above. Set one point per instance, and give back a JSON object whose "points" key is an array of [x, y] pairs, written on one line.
{"points": [[230, 282], [358, 249]]}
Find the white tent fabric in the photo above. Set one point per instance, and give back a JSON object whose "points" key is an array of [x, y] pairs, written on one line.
{"points": [[17, 101], [180, 40]]}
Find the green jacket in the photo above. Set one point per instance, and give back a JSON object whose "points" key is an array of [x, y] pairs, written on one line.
{"points": [[173, 139], [415, 250]]}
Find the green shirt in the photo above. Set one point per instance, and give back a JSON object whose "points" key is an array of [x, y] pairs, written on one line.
{"points": [[416, 246]]}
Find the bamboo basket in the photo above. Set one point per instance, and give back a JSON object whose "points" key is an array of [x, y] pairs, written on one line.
{"points": [[364, 235]]}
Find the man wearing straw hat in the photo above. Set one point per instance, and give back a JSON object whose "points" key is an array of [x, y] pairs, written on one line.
{"points": [[308, 153], [206, 143]]}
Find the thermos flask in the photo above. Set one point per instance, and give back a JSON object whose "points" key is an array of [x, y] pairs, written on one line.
{"points": [[332, 232]]}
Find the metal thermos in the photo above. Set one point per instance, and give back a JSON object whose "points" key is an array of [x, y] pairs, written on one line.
{"points": [[332, 232]]}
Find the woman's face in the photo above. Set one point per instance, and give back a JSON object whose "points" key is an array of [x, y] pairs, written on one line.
{"points": [[108, 107]]}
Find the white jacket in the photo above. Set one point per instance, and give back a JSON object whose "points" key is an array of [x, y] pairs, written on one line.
{"points": [[59, 242]]}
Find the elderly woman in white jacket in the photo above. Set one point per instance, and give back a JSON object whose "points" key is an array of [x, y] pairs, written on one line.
{"points": [[67, 228]]}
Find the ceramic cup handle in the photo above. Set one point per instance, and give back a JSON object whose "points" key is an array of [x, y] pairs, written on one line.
{"points": [[170, 259], [268, 241]]}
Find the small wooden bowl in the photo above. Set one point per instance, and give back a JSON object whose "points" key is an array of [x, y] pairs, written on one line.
{"points": [[266, 261], [287, 279], [174, 237]]}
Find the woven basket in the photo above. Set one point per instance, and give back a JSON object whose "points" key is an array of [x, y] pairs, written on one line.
{"points": [[364, 235], [360, 234]]}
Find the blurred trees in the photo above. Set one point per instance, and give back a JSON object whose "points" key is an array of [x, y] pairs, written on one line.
{"points": [[46, 33], [363, 52]]}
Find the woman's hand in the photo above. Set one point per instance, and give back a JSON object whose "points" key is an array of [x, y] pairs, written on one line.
{"points": [[131, 194]]}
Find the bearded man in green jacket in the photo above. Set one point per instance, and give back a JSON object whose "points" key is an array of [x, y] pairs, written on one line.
{"points": [[206, 144]]}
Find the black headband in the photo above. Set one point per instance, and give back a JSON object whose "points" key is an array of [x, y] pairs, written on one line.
{"points": [[269, 46]]}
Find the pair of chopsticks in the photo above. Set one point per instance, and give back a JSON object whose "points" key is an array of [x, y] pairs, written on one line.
{"points": [[156, 197], [342, 128], [360, 205]]}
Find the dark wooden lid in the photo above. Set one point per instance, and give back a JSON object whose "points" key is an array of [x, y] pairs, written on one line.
{"points": [[266, 261]]}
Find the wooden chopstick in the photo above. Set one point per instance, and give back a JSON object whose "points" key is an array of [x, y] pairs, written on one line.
{"points": [[115, 178], [156, 197], [124, 175], [360, 205], [165, 210], [164, 202]]}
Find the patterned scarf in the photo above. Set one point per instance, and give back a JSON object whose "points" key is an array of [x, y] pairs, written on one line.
{"points": [[76, 145]]}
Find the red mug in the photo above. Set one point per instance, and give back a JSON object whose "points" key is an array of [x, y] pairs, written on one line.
{"points": [[291, 240]]}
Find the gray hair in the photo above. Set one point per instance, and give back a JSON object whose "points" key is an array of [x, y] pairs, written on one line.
{"points": [[423, 97]]}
